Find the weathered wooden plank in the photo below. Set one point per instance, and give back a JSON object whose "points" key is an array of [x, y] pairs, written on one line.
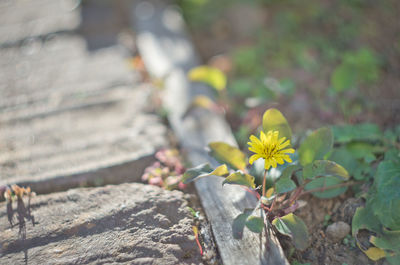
{"points": [[168, 54], [70, 117], [21, 20], [130, 223]]}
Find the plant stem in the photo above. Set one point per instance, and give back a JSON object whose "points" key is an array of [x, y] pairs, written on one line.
{"points": [[264, 183]]}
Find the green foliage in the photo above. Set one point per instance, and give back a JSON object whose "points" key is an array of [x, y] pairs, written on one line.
{"points": [[284, 185], [315, 146], [356, 68], [326, 183], [292, 226], [203, 170], [255, 224], [322, 178], [386, 200], [239, 223], [245, 59], [325, 175], [380, 214], [334, 53], [357, 132], [285, 182], [325, 168]]}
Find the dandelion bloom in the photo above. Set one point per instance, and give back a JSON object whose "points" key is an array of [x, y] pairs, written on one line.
{"points": [[273, 149]]}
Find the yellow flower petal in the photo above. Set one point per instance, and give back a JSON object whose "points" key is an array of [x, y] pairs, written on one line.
{"points": [[254, 158], [289, 150], [281, 146], [274, 164], [282, 140], [270, 147]]}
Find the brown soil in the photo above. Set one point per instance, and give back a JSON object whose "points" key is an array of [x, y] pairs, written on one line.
{"points": [[322, 249]]}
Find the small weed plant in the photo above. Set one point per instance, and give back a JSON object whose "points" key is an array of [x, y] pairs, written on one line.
{"points": [[300, 172], [327, 162], [23, 211]]}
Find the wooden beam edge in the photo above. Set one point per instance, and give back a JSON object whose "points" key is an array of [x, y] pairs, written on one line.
{"points": [[169, 54]]}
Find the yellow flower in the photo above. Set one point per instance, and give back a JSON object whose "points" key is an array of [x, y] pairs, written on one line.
{"points": [[270, 147]]}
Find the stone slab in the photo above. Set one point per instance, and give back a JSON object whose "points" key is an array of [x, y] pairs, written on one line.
{"points": [[128, 223]]}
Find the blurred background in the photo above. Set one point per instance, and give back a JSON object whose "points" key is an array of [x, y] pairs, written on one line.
{"points": [[320, 62], [325, 62]]}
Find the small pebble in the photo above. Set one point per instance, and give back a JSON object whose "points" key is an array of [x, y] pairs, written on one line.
{"points": [[337, 231]]}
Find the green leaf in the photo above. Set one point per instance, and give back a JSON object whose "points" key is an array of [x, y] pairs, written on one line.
{"points": [[293, 226], [288, 171], [209, 75], [393, 259], [239, 222], [285, 183], [393, 154], [255, 224], [326, 182], [389, 240], [362, 150], [240, 178], [325, 168], [386, 200], [343, 78], [228, 154], [383, 239], [357, 132], [343, 157], [274, 120], [364, 218], [315, 146], [203, 170]]}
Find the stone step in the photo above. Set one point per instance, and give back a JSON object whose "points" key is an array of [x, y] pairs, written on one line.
{"points": [[128, 223], [23, 19]]}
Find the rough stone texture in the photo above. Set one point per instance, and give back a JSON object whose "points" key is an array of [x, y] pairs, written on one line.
{"points": [[127, 223], [23, 19], [337, 231], [69, 116]]}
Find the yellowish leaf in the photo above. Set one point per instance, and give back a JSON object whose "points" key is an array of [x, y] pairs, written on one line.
{"points": [[373, 253], [228, 154], [209, 75], [220, 171], [273, 120], [269, 192], [195, 230], [203, 102], [240, 178]]}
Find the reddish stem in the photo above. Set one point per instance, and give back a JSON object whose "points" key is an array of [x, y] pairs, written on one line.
{"points": [[264, 183], [196, 235]]}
